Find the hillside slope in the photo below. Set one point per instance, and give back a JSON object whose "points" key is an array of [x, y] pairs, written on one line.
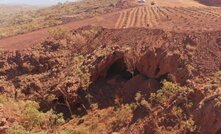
{"points": [[113, 80], [23, 22], [169, 18]]}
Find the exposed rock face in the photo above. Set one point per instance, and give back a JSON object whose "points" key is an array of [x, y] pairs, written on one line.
{"points": [[158, 63], [118, 63], [208, 115], [103, 63]]}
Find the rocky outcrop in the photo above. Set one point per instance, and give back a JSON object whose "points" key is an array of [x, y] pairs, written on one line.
{"points": [[116, 63], [207, 115]]}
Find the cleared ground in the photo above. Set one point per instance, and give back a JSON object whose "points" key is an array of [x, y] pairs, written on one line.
{"points": [[178, 16], [176, 3], [171, 18]]}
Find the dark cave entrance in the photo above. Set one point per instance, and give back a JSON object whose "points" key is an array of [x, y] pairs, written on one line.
{"points": [[110, 83], [118, 68], [61, 105]]}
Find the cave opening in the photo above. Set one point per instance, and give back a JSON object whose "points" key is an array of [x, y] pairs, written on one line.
{"points": [[119, 68], [61, 107]]}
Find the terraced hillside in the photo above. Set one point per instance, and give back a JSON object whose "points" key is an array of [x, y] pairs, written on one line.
{"points": [[171, 18]]}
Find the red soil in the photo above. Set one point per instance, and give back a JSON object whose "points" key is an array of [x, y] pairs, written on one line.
{"points": [[27, 40]]}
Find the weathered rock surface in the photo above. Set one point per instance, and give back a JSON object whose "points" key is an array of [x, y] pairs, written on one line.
{"points": [[117, 63]]}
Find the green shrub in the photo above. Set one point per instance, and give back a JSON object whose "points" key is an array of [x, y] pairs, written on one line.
{"points": [[3, 99], [17, 129], [78, 39], [37, 118], [79, 70], [31, 113], [121, 117], [59, 33], [189, 125], [168, 90]]}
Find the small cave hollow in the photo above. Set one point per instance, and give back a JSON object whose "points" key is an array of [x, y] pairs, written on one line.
{"points": [[119, 68], [110, 83], [61, 107]]}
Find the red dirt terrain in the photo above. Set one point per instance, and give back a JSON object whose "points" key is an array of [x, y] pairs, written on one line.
{"points": [[119, 64], [177, 19], [27, 40], [182, 17], [153, 68]]}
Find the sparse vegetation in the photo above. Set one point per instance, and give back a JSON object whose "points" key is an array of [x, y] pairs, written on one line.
{"points": [[168, 91], [81, 71], [17, 129], [26, 21], [59, 33], [28, 117], [163, 95], [121, 117], [56, 76], [36, 118]]}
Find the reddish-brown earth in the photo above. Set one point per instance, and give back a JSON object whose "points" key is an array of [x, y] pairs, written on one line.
{"points": [[27, 40], [107, 56], [182, 17], [94, 75]]}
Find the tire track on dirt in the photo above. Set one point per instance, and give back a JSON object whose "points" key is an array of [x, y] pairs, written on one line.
{"points": [[126, 20], [134, 18], [150, 17], [195, 13], [157, 15], [146, 22], [129, 18], [197, 17], [162, 13], [188, 12], [142, 19], [138, 17], [216, 10], [207, 11], [176, 18], [120, 20], [153, 17]]}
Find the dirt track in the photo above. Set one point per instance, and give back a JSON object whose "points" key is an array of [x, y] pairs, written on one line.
{"points": [[180, 16], [27, 40]]}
